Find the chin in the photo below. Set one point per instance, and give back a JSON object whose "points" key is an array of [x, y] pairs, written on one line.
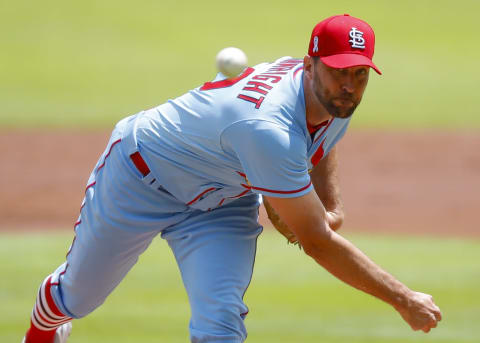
{"points": [[343, 115], [342, 112]]}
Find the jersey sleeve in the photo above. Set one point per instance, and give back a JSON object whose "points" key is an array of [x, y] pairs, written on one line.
{"points": [[274, 159]]}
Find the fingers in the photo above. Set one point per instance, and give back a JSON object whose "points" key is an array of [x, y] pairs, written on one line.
{"points": [[423, 314], [432, 323], [436, 311], [426, 322]]}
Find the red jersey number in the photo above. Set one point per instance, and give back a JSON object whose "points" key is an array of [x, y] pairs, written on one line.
{"points": [[227, 82]]}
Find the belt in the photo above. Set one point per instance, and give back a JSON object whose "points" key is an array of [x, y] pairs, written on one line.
{"points": [[139, 162]]}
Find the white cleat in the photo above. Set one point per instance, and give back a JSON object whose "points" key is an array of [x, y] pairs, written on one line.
{"points": [[62, 333]]}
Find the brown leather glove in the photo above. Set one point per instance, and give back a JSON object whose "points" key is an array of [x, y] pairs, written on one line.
{"points": [[279, 224]]}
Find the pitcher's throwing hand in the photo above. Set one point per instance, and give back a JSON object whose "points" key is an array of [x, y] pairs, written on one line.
{"points": [[420, 312]]}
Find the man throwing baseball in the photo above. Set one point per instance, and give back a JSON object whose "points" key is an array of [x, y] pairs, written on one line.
{"points": [[193, 170]]}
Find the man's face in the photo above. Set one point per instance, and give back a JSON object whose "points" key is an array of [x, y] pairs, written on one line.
{"points": [[339, 90]]}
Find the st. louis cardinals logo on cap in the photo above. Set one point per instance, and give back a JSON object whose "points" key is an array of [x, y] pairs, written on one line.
{"points": [[357, 40]]}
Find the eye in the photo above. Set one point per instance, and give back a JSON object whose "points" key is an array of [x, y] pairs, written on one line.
{"points": [[362, 72], [340, 71]]}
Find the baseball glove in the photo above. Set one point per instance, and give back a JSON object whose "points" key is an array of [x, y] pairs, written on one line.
{"points": [[279, 224]]}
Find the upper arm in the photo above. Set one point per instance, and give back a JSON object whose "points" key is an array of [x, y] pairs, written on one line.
{"points": [[273, 158]]}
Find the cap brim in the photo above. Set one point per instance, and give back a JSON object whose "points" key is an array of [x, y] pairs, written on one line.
{"points": [[349, 60]]}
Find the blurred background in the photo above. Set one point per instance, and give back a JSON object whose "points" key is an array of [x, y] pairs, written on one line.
{"points": [[409, 168], [90, 63]]}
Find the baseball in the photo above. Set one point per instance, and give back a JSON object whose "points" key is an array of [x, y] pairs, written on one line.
{"points": [[231, 62]]}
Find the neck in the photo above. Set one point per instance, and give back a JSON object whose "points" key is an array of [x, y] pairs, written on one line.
{"points": [[315, 111]]}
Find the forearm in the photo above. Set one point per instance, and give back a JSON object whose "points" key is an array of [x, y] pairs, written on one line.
{"points": [[307, 218], [345, 261]]}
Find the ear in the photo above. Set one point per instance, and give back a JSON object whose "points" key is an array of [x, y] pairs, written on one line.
{"points": [[308, 66]]}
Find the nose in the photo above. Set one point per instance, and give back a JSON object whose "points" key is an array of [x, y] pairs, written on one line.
{"points": [[348, 85]]}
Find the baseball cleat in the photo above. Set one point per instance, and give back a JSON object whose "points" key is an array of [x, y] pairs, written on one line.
{"points": [[62, 333]]}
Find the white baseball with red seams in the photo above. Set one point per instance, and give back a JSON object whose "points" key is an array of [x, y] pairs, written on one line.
{"points": [[231, 62]]}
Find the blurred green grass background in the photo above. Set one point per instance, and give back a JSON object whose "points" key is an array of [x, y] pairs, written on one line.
{"points": [[291, 299], [90, 63]]}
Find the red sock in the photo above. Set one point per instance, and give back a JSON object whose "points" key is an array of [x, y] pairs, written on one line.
{"points": [[35, 335]]}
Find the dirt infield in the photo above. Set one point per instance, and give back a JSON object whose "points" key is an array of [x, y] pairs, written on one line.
{"points": [[402, 182]]}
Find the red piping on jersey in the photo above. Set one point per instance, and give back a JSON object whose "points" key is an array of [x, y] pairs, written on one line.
{"points": [[108, 154], [242, 174], [275, 191], [248, 187], [241, 194], [234, 197], [66, 266], [227, 82], [313, 129], [296, 71], [200, 195], [86, 189], [49, 298], [324, 129], [71, 246]]}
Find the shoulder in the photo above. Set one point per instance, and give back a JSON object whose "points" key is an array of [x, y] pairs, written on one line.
{"points": [[258, 135]]}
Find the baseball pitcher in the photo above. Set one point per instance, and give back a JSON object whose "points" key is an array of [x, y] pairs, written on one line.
{"points": [[193, 170]]}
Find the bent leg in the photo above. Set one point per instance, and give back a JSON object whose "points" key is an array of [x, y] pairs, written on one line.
{"points": [[94, 267], [98, 260], [119, 218], [215, 252]]}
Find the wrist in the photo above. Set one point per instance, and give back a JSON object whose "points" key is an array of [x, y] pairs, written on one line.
{"points": [[401, 298]]}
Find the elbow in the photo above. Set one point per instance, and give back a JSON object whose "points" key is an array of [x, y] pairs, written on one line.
{"points": [[315, 251], [318, 247]]}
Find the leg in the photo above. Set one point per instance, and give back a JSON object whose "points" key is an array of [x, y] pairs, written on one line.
{"points": [[98, 260], [215, 252], [119, 218]]}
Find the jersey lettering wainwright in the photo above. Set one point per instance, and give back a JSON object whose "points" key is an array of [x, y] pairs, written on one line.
{"points": [[260, 85]]}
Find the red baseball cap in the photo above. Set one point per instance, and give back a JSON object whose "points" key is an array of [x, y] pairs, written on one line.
{"points": [[343, 41]]}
